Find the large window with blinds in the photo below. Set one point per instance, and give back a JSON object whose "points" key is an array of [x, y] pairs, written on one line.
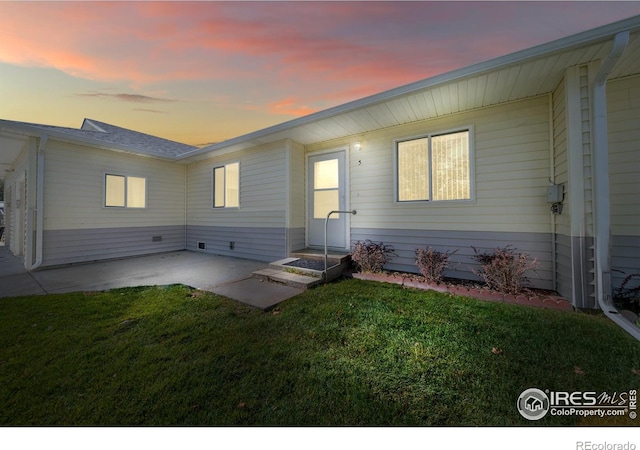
{"points": [[434, 167]]}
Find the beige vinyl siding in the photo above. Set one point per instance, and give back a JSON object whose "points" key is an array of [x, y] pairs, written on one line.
{"points": [[77, 225], [510, 174], [257, 228], [74, 189], [262, 189], [623, 104], [510, 145], [624, 155]]}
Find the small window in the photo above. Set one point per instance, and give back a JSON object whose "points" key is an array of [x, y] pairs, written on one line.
{"points": [[125, 192], [226, 186], [434, 168]]}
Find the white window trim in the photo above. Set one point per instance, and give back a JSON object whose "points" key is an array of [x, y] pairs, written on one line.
{"points": [[472, 171], [126, 186], [213, 186]]}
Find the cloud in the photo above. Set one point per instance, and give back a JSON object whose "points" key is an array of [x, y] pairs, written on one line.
{"points": [[154, 111], [134, 98], [273, 54], [276, 42], [290, 106]]}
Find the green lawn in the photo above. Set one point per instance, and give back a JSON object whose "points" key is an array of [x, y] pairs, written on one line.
{"points": [[348, 353]]}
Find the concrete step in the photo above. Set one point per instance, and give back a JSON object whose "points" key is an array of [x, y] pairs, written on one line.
{"points": [[287, 278], [333, 257], [284, 265], [304, 269], [310, 267]]}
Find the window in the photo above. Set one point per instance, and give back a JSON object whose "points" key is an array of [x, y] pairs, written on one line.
{"points": [[226, 186], [434, 168], [125, 192]]}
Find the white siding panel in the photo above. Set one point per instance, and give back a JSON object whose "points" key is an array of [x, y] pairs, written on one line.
{"points": [[74, 189], [624, 159], [262, 189], [511, 148], [623, 104], [297, 186]]}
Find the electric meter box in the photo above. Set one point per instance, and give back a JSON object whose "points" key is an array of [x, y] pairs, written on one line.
{"points": [[555, 193]]}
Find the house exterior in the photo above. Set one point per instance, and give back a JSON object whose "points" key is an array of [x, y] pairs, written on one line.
{"points": [[539, 149]]}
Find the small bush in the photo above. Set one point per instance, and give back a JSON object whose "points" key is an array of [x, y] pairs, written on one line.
{"points": [[432, 263], [371, 256], [627, 296], [504, 270]]}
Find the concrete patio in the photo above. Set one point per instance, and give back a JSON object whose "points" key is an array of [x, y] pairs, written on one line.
{"points": [[222, 275]]}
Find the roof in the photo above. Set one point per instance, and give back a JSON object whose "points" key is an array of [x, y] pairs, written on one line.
{"points": [[516, 76], [139, 142], [93, 133], [106, 135]]}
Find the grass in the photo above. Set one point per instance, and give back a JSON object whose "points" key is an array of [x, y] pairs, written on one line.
{"points": [[347, 353]]}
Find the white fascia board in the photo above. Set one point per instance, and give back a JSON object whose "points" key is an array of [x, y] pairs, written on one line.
{"points": [[589, 37]]}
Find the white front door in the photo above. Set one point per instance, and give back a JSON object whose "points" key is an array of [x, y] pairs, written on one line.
{"points": [[327, 189]]}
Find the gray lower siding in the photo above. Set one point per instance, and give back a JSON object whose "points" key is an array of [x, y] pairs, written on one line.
{"points": [[575, 270], [84, 245], [405, 243], [625, 258], [564, 278], [257, 243]]}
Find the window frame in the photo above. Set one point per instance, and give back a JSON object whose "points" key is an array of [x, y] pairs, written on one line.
{"points": [[213, 186], [429, 136], [126, 191]]}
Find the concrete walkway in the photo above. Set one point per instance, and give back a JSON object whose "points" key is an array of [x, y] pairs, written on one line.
{"points": [[222, 275]]}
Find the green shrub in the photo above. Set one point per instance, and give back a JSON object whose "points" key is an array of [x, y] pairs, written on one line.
{"points": [[432, 263], [371, 256], [627, 296], [504, 269]]}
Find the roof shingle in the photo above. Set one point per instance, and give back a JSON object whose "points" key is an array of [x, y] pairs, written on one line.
{"points": [[113, 136]]}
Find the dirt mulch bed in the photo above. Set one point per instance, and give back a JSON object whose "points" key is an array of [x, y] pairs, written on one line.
{"points": [[530, 297]]}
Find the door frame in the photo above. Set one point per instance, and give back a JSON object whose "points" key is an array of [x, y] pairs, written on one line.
{"points": [[347, 195], [18, 216]]}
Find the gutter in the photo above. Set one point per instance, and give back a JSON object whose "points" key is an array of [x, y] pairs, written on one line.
{"points": [[602, 217]]}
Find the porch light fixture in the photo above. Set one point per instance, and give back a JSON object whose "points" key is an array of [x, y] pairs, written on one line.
{"points": [[357, 146]]}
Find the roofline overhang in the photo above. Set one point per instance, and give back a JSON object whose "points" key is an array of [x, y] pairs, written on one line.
{"points": [[589, 37], [32, 130]]}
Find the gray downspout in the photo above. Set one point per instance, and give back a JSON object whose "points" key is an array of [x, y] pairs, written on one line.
{"points": [[602, 217]]}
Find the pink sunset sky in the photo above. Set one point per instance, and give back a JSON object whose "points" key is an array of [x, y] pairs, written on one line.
{"points": [[203, 72]]}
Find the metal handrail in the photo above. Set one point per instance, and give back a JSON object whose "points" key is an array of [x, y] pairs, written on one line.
{"points": [[326, 225]]}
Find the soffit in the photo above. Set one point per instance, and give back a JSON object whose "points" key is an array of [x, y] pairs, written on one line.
{"points": [[10, 148], [512, 83]]}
